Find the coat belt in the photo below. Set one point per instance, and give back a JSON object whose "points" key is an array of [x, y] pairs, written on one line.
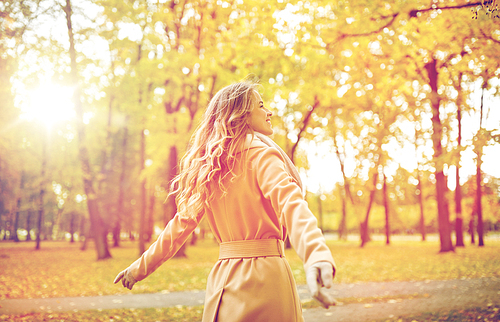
{"points": [[251, 248]]}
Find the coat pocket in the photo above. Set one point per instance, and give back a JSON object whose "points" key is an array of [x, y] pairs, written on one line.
{"points": [[211, 308]]}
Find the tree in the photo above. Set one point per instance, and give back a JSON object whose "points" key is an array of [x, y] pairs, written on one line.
{"points": [[16, 19], [386, 208], [345, 193], [121, 186], [142, 217], [41, 203], [363, 226], [329, 71], [97, 225], [170, 206], [441, 188], [458, 190]]}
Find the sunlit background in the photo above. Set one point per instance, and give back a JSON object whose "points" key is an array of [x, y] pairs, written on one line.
{"points": [[348, 86], [48, 104]]}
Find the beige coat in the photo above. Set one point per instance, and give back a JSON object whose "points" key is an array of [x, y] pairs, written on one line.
{"points": [[264, 202]]}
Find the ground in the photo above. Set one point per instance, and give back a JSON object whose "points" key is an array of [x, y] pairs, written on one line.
{"points": [[358, 302]]}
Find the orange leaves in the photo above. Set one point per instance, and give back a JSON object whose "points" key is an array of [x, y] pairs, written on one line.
{"points": [[182, 314], [62, 270]]}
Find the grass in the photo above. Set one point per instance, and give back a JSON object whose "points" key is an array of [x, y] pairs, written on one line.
{"points": [[309, 304], [413, 261], [61, 270]]}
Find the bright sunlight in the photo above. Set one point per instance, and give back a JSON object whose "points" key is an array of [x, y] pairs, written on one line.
{"points": [[49, 104]]}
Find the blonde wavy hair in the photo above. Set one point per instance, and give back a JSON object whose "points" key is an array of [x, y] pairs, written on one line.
{"points": [[211, 156]]}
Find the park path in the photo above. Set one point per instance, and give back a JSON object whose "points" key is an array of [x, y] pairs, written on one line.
{"points": [[428, 296]]}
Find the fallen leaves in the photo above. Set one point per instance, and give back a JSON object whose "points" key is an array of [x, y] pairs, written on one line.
{"points": [[413, 261], [60, 269], [183, 314], [466, 315], [367, 301]]}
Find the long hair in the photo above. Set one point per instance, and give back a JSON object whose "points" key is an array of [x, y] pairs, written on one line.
{"points": [[211, 157]]}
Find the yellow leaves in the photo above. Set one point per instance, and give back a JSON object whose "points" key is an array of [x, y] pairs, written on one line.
{"points": [[60, 269], [184, 314]]}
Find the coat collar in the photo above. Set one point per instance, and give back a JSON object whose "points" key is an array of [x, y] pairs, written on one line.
{"points": [[252, 141]]}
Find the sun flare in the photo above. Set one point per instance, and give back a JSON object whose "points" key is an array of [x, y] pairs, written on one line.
{"points": [[49, 104]]}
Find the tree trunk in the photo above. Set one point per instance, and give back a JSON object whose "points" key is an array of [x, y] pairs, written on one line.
{"points": [[106, 161], [104, 152], [142, 217], [18, 208], [16, 218], [28, 225], [320, 213], [84, 231], [194, 239], [421, 203], [459, 222], [305, 123], [437, 135], [151, 210], [458, 190], [386, 207], [56, 225], [364, 230], [116, 234], [72, 227], [121, 187], [420, 194], [347, 190], [42, 192], [479, 208], [170, 207], [342, 224], [97, 224], [471, 228]]}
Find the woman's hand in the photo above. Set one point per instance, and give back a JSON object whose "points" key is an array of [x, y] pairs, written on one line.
{"points": [[127, 278], [321, 275]]}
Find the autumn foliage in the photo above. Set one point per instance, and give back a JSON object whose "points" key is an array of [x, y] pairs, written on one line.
{"points": [[374, 87]]}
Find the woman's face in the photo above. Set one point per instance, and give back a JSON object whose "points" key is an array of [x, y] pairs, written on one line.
{"points": [[259, 119]]}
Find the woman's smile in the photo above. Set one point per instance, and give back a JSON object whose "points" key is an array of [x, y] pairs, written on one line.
{"points": [[260, 117]]}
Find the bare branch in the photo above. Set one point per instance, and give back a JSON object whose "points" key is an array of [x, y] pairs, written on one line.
{"points": [[489, 37], [393, 18], [414, 12], [305, 123], [362, 34]]}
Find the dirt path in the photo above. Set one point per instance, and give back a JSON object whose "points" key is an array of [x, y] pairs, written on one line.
{"points": [[429, 296]]}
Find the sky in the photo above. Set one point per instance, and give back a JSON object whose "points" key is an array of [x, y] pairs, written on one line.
{"points": [[324, 172]]}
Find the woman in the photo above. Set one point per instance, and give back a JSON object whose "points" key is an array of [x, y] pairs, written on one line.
{"points": [[251, 194]]}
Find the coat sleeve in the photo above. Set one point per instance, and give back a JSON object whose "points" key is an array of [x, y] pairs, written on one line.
{"points": [[168, 243], [287, 201]]}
